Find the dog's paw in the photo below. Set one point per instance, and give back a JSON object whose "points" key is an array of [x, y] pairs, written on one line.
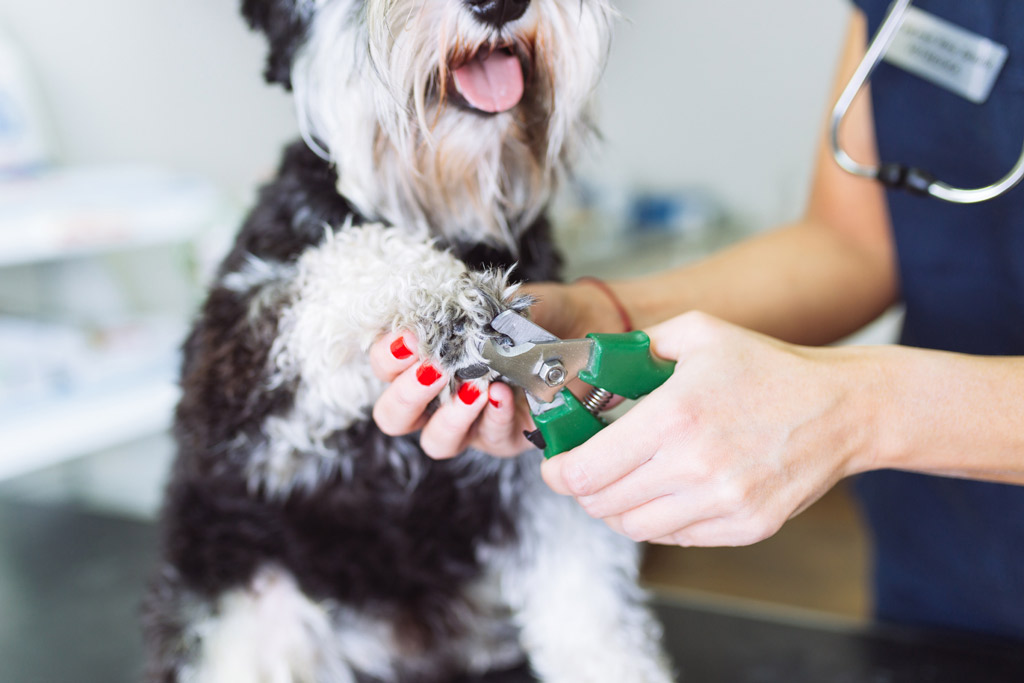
{"points": [[453, 333]]}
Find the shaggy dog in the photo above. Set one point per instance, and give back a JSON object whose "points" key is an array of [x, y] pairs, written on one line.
{"points": [[299, 542]]}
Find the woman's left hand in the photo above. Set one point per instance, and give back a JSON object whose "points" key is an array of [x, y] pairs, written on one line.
{"points": [[492, 421], [747, 433]]}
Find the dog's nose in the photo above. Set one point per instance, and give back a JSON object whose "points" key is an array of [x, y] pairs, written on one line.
{"points": [[497, 13]]}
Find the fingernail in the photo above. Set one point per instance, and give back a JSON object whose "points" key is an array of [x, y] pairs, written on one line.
{"points": [[427, 374], [495, 403], [468, 394], [399, 350]]}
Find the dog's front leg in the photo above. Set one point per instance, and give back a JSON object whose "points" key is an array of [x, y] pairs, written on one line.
{"points": [[340, 295], [572, 586], [277, 388], [365, 280]]}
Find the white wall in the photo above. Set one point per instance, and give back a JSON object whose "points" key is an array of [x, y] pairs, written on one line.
{"points": [[728, 95], [176, 82], [724, 94]]}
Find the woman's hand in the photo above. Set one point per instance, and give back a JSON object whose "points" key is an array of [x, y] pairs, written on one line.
{"points": [[491, 421], [747, 433]]}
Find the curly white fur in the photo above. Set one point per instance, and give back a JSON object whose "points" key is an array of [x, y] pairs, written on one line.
{"points": [[341, 296], [572, 585], [271, 631]]}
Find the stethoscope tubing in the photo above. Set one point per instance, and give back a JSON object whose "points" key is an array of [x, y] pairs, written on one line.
{"points": [[899, 176]]}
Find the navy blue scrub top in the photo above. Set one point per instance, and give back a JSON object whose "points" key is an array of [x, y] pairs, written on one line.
{"points": [[949, 552]]}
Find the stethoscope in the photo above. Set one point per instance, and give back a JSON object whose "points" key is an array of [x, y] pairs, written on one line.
{"points": [[900, 176]]}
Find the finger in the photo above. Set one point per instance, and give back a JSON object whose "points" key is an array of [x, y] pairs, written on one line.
{"points": [[659, 518], [446, 433], [393, 354], [690, 537], [678, 538], [725, 532], [608, 456], [615, 523], [499, 431], [677, 337], [642, 485], [399, 410]]}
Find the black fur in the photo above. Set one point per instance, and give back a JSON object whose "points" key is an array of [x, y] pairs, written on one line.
{"points": [[285, 28], [364, 539]]}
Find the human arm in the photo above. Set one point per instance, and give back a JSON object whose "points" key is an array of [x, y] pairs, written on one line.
{"points": [[812, 281], [749, 431]]}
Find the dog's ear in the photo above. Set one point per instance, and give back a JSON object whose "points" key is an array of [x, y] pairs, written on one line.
{"points": [[285, 23]]}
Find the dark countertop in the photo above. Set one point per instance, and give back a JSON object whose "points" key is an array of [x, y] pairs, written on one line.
{"points": [[70, 583]]}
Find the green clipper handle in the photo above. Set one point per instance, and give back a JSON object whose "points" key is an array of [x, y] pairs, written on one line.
{"points": [[619, 363], [624, 365]]}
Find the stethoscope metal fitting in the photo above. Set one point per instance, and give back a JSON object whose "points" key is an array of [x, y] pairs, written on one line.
{"points": [[900, 176]]}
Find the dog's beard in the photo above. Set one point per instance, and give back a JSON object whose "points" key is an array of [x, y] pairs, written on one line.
{"points": [[374, 92]]}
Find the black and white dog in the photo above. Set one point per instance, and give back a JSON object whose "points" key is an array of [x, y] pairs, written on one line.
{"points": [[300, 544]]}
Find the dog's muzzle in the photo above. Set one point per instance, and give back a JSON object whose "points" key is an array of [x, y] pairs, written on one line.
{"points": [[497, 13]]}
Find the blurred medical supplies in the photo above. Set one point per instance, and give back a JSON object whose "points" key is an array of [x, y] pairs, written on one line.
{"points": [[43, 361], [620, 231]]}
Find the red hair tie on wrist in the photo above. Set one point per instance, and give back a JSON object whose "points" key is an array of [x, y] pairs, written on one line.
{"points": [[627, 322]]}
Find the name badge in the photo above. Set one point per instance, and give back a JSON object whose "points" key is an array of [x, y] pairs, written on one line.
{"points": [[947, 55]]}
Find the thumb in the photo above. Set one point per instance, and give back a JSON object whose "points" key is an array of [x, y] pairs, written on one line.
{"points": [[669, 339], [678, 337]]}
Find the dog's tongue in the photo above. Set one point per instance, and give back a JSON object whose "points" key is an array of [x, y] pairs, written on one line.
{"points": [[492, 83]]}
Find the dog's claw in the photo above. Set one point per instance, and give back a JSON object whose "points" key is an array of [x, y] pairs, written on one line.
{"points": [[536, 438], [472, 372]]}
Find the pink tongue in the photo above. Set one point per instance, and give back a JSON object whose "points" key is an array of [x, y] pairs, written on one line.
{"points": [[492, 83]]}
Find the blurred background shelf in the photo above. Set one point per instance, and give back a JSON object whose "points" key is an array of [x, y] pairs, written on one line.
{"points": [[103, 259], [74, 212], [76, 425], [100, 270]]}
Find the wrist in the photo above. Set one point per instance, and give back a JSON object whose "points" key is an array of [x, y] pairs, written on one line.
{"points": [[599, 307], [865, 386], [906, 390]]}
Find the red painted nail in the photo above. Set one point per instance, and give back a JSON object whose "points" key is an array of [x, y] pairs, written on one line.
{"points": [[427, 374], [399, 350], [468, 394], [496, 404]]}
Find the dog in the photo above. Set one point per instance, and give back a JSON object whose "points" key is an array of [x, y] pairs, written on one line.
{"points": [[299, 543]]}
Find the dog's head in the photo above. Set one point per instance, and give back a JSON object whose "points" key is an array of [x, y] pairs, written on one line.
{"points": [[452, 115]]}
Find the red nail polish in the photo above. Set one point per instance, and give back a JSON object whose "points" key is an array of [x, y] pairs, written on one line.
{"points": [[399, 350], [427, 374], [496, 404], [468, 394]]}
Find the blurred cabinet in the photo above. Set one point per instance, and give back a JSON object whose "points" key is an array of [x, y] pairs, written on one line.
{"points": [[99, 276]]}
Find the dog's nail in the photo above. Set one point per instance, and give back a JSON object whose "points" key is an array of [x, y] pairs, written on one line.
{"points": [[473, 372], [468, 394], [427, 374], [399, 350]]}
